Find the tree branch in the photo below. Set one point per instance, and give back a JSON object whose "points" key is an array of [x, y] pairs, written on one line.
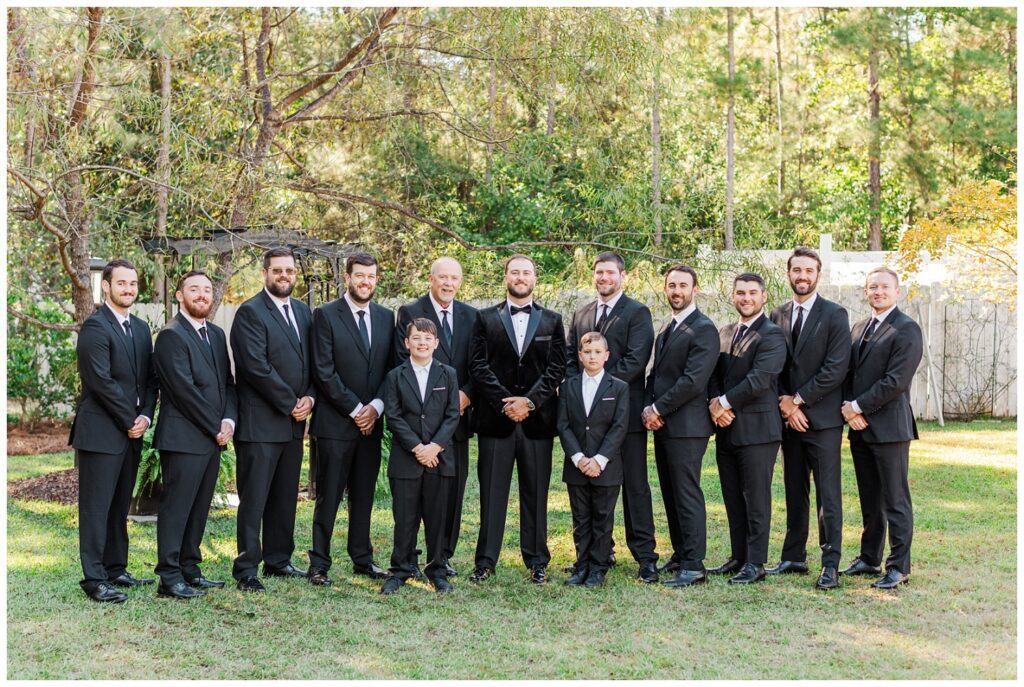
{"points": [[81, 104], [261, 64], [39, 323]]}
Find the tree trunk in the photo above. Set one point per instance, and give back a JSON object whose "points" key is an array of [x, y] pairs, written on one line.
{"points": [[781, 178], [729, 136], [874, 153], [656, 129], [163, 174], [552, 83]]}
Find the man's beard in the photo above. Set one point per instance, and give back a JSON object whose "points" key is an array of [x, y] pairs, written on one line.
{"points": [[796, 287], [527, 290], [122, 301], [198, 311], [355, 296], [276, 289]]}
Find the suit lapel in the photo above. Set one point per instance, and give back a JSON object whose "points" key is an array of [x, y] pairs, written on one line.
{"points": [[615, 313], [278, 316], [604, 386], [878, 333], [506, 320], [119, 333], [787, 325], [410, 378], [587, 315], [808, 326], [531, 326], [349, 322], [190, 331], [428, 312]]}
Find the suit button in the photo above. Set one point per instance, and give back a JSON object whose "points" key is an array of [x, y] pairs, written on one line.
{"points": [[423, 417], [587, 428]]}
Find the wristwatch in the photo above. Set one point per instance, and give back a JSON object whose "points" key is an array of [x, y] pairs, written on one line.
{"points": [[530, 405]]}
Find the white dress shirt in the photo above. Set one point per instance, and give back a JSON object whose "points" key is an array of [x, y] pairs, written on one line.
{"points": [[196, 324], [519, 323], [290, 317], [438, 308], [421, 372], [590, 386], [611, 303], [377, 404], [881, 318]]}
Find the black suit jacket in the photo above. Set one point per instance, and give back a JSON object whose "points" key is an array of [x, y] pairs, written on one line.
{"points": [[198, 388], [457, 355], [116, 387], [629, 330], [879, 378], [599, 433], [344, 374], [273, 368], [678, 383], [414, 421], [817, 367], [749, 381], [498, 371]]}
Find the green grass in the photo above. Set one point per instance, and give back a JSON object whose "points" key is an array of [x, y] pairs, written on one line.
{"points": [[956, 618]]}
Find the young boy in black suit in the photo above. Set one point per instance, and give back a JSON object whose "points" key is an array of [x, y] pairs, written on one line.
{"points": [[593, 410], [421, 403]]}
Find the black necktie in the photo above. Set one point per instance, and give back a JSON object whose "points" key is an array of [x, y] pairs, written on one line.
{"points": [[740, 332], [868, 333], [364, 333], [799, 324], [131, 341], [290, 321], [446, 329], [668, 332], [516, 310], [203, 335], [127, 328], [604, 316]]}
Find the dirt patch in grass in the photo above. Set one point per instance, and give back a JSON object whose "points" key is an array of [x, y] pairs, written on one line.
{"points": [[46, 437], [60, 486]]}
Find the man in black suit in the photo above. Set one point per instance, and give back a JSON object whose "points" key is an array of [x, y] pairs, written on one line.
{"points": [[886, 351], [817, 335], [197, 419], [353, 349], [627, 327], [517, 361], [421, 402], [685, 354], [454, 321], [119, 392], [593, 409], [744, 407], [270, 339]]}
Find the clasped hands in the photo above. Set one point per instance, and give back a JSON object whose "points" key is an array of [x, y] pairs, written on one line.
{"points": [[721, 416], [856, 420], [589, 467], [793, 414], [652, 421], [426, 454], [139, 428], [227, 430], [516, 408], [303, 407], [365, 419]]}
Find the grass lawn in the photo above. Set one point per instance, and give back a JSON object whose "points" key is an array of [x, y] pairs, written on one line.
{"points": [[956, 618]]}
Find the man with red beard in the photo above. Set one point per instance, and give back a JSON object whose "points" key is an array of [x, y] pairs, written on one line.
{"points": [[353, 350], [197, 419], [119, 392], [270, 339]]}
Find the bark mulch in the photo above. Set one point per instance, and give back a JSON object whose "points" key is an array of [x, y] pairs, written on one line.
{"points": [[60, 486], [46, 437]]}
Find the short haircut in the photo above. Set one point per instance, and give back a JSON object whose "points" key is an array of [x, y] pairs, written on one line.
{"points": [[803, 252], [592, 337], [884, 270], [748, 276], [609, 256], [364, 259], [279, 252], [520, 256], [189, 275], [108, 270], [682, 268], [421, 324]]}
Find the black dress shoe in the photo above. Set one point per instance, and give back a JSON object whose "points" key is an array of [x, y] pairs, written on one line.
{"points": [[251, 584], [539, 574], [179, 590], [729, 567], [570, 569], [859, 567], [125, 579], [449, 571], [828, 579], [372, 570], [893, 578], [578, 577], [203, 583], [391, 585], [648, 573], [672, 566], [595, 579], [318, 578], [748, 574], [788, 568], [287, 571], [104, 593], [441, 585], [481, 573], [417, 573], [687, 578]]}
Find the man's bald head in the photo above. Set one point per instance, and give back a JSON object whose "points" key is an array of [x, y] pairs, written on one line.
{"points": [[445, 279]]}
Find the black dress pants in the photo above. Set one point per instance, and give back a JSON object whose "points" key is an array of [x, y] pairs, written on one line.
{"points": [[532, 458], [354, 464], [814, 452], [746, 476], [637, 506], [456, 495], [189, 482], [593, 515], [267, 474], [105, 484], [679, 463], [426, 497], [882, 483]]}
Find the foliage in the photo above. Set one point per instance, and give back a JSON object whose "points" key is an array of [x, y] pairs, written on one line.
{"points": [[42, 376], [148, 475], [977, 233]]}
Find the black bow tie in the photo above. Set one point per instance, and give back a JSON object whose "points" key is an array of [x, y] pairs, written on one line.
{"points": [[526, 309]]}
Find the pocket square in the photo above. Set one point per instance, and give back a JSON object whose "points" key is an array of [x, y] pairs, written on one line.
{"points": [[440, 388], [610, 398], [543, 338]]}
